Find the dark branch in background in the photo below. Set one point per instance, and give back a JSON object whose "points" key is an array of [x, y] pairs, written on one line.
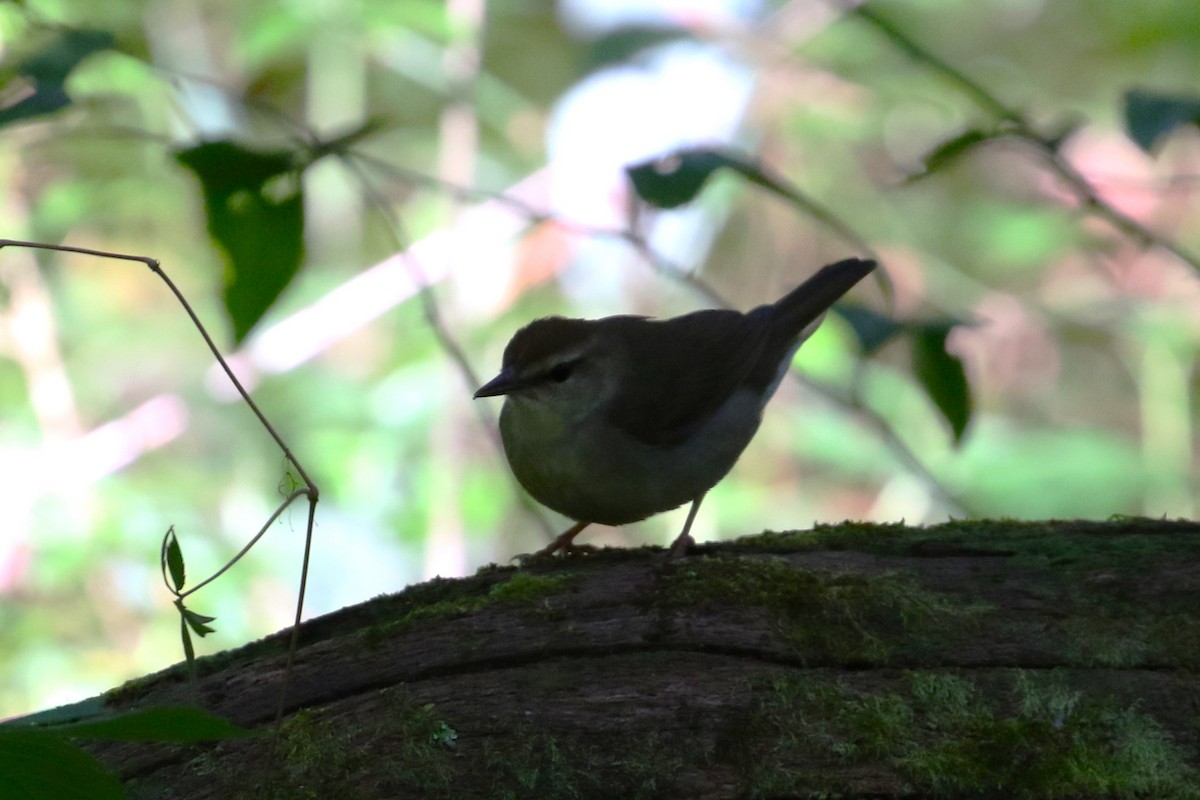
{"points": [[981, 96], [1091, 202], [1012, 123], [433, 317]]}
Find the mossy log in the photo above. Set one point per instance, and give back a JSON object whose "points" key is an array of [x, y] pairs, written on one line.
{"points": [[972, 659]]}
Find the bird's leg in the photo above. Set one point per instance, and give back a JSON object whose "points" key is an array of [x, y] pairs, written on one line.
{"points": [[563, 542], [683, 541]]}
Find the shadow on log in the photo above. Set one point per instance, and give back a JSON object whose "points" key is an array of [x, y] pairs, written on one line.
{"points": [[972, 659]]}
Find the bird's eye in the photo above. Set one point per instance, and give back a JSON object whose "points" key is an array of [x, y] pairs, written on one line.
{"points": [[561, 371]]}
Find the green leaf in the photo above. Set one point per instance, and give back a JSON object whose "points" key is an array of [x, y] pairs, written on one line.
{"points": [[173, 556], [950, 151], [180, 724], [45, 73], [39, 765], [871, 328], [1151, 116], [197, 622], [254, 205], [675, 179], [942, 375]]}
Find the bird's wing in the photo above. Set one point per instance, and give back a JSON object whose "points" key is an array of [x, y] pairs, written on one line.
{"points": [[687, 367]]}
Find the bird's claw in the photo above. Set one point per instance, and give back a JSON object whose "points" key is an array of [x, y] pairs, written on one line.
{"points": [[553, 549], [680, 546]]}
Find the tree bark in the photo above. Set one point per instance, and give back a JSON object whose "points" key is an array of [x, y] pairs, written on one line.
{"points": [[972, 659]]}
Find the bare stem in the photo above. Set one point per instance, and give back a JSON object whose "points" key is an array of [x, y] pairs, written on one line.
{"points": [[156, 268], [287, 501], [310, 488]]}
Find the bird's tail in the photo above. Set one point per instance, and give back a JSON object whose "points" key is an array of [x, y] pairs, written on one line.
{"points": [[805, 304]]}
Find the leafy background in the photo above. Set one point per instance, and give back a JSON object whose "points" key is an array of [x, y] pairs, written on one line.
{"points": [[1025, 171]]}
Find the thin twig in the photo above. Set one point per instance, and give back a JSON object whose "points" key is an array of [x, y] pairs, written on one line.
{"points": [[1012, 123], [446, 340], [287, 501], [980, 95], [154, 266], [1091, 201]]}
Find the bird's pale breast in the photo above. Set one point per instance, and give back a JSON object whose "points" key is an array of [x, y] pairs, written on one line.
{"points": [[590, 471]]}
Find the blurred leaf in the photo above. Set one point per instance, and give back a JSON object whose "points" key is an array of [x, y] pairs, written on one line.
{"points": [[950, 151], [39, 87], [173, 556], [1151, 116], [255, 209], [942, 375], [178, 724], [39, 765], [674, 179], [622, 44], [871, 328]]}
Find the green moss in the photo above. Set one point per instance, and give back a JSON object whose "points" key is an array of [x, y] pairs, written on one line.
{"points": [[1175, 639], [531, 764], [1124, 547], [309, 751], [136, 688], [526, 587], [849, 618], [314, 754], [849, 535], [520, 589], [944, 736], [1121, 545], [1139, 637], [1096, 569], [424, 745]]}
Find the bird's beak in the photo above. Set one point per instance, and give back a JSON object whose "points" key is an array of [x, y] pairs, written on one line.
{"points": [[502, 384]]}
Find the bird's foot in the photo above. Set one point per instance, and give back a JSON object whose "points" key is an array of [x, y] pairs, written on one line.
{"points": [[564, 543], [552, 550], [680, 546]]}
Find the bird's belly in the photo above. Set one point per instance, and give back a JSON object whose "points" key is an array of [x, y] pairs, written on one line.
{"points": [[595, 473]]}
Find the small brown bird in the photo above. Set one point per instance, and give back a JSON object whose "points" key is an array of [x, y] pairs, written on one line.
{"points": [[614, 420]]}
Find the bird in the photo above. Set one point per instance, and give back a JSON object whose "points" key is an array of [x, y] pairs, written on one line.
{"points": [[614, 420]]}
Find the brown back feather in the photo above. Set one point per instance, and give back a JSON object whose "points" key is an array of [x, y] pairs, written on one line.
{"points": [[712, 353]]}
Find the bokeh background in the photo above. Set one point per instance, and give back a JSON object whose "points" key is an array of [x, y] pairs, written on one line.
{"points": [[460, 169]]}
